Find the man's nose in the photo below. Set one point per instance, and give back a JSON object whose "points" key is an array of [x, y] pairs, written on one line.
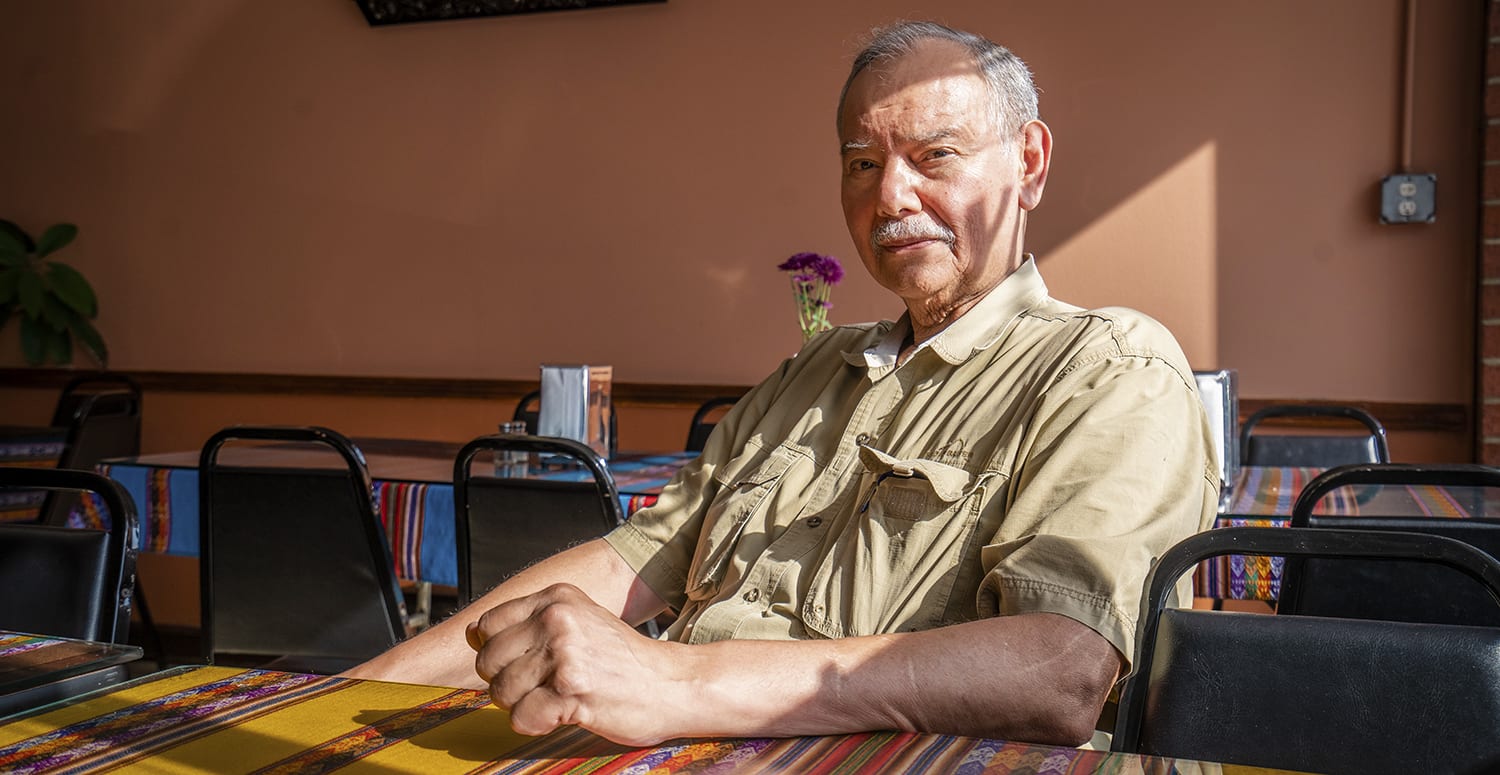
{"points": [[898, 191]]}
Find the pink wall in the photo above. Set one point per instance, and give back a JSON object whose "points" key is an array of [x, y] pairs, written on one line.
{"points": [[278, 187]]}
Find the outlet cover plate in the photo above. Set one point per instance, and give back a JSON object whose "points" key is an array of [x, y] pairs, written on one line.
{"points": [[1408, 199]]}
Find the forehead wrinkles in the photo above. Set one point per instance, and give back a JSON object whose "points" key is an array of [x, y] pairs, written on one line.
{"points": [[906, 124], [902, 104]]}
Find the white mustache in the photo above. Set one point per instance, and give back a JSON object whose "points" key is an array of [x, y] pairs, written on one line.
{"points": [[907, 230]]}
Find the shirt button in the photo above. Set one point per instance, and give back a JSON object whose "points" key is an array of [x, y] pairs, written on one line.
{"points": [[862, 439], [814, 521], [752, 595]]}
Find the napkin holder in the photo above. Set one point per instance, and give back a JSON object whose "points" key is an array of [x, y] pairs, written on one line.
{"points": [[1219, 391], [576, 404]]}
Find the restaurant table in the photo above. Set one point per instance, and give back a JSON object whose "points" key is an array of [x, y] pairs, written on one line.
{"points": [[1263, 496], [31, 446], [39, 669], [413, 488], [228, 720]]}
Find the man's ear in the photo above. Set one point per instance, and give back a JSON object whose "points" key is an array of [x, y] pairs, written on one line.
{"points": [[1036, 159]]}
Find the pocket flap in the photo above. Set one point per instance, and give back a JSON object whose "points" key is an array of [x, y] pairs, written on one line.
{"points": [[746, 471], [949, 483]]}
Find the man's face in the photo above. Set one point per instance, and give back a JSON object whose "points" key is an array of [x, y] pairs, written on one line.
{"points": [[933, 191]]}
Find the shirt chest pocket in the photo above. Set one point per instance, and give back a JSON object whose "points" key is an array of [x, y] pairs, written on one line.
{"points": [[897, 562], [746, 485]]}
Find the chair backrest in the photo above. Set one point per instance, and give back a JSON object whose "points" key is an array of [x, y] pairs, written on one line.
{"points": [[69, 582], [294, 562], [700, 427], [80, 387], [529, 411], [1310, 693], [504, 524], [1396, 591], [102, 425], [1313, 449]]}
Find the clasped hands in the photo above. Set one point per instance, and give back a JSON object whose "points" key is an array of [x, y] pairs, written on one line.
{"points": [[556, 658]]}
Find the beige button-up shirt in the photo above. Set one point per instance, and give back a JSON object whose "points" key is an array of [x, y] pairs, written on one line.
{"points": [[1031, 457]]}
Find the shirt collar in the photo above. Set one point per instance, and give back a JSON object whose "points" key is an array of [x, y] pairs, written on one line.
{"points": [[974, 331]]}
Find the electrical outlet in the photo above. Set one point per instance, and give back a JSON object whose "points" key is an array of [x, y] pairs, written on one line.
{"points": [[1408, 199]]}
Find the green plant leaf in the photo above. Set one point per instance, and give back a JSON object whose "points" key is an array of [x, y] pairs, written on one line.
{"points": [[69, 286], [55, 314], [11, 234], [89, 339], [30, 291], [33, 346], [59, 347], [55, 238], [9, 280]]}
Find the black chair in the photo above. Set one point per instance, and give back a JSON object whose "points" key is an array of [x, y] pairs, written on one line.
{"points": [[700, 428], [295, 569], [1394, 591], [529, 411], [504, 524], [80, 387], [1311, 693], [101, 424], [1319, 450], [69, 582]]}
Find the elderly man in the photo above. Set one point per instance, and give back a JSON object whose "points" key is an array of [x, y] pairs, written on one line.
{"points": [[939, 524]]}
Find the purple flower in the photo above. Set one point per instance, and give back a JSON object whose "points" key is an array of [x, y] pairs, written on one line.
{"points": [[813, 274], [825, 267], [828, 267], [799, 261]]}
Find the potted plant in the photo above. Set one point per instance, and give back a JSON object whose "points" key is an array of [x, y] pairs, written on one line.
{"points": [[53, 301]]}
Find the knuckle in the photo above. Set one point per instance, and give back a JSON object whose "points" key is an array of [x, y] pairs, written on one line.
{"points": [[560, 591], [572, 679], [555, 617]]}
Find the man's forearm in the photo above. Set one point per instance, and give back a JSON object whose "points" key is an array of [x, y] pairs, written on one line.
{"points": [[441, 656], [1034, 677]]}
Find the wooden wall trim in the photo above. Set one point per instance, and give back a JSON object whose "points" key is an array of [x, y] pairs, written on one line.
{"points": [[1396, 416], [1445, 418], [370, 387]]}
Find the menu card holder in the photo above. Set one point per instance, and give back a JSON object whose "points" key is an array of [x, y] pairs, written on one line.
{"points": [[576, 404]]}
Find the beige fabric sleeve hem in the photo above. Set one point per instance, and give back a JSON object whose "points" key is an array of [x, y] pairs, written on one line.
{"points": [[638, 550], [1097, 612]]}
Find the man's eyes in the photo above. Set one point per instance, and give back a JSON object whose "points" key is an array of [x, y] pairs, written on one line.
{"points": [[929, 156]]}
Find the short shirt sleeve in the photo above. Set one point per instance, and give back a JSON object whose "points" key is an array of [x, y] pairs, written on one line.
{"points": [[1114, 470]]}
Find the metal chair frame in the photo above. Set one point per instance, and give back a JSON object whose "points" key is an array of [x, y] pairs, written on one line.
{"points": [[115, 595], [698, 429], [611, 513], [1327, 411], [382, 566], [1131, 734], [1296, 595]]}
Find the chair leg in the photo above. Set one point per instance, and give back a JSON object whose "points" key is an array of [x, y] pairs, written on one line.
{"points": [[147, 630]]}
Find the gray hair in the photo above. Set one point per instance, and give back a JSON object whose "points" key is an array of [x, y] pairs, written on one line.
{"points": [[1011, 89]]}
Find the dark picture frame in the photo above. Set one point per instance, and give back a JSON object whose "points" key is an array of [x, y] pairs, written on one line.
{"points": [[382, 12]]}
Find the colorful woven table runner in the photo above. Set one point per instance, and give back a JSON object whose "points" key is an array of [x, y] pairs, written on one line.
{"points": [[223, 720]]}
